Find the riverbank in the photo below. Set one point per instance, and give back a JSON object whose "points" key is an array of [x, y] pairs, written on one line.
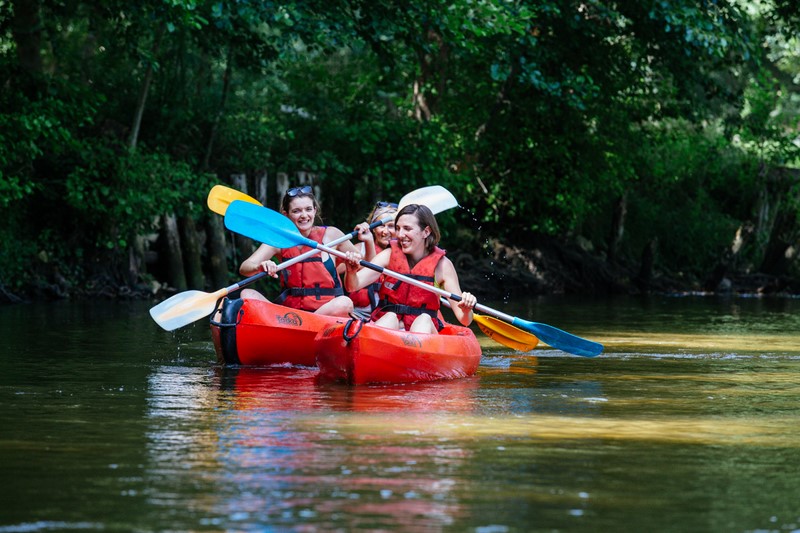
{"points": [[553, 267], [548, 266]]}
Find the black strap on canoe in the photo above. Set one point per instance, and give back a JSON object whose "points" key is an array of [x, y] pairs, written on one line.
{"points": [[346, 335], [231, 313]]}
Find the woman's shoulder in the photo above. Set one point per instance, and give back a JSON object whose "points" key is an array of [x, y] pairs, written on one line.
{"points": [[331, 233]]}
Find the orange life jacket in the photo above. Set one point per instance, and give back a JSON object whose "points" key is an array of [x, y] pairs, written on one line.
{"points": [[406, 300], [312, 282]]}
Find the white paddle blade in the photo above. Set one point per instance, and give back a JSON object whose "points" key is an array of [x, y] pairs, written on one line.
{"points": [[435, 197], [185, 308]]}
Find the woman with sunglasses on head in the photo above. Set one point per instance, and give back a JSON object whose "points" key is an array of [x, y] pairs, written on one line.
{"points": [[414, 253], [366, 299], [312, 284]]}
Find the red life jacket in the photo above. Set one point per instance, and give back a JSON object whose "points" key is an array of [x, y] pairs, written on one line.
{"points": [[367, 297], [312, 282], [406, 300]]}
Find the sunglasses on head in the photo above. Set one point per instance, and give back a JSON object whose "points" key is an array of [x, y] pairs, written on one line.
{"points": [[294, 191], [386, 204]]}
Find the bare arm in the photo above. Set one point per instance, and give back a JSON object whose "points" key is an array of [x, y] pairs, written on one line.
{"points": [[255, 263], [331, 234], [358, 277], [367, 239]]}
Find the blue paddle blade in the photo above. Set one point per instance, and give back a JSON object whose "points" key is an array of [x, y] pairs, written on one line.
{"points": [[560, 339], [264, 225]]}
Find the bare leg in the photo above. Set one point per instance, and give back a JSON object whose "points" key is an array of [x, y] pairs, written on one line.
{"points": [[339, 306], [389, 320], [253, 295], [423, 324]]}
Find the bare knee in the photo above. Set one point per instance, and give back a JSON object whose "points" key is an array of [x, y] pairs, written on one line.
{"points": [[339, 306], [423, 324], [389, 320], [253, 295]]}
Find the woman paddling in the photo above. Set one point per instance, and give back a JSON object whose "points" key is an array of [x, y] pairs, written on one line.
{"points": [[312, 284], [414, 253], [366, 299]]}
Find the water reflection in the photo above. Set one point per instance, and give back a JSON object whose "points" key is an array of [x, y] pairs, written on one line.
{"points": [[693, 415], [284, 447]]}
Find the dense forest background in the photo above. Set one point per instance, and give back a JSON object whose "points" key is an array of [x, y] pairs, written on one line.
{"points": [[596, 146]]}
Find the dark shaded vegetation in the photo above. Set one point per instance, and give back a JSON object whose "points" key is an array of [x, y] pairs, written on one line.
{"points": [[597, 147]]}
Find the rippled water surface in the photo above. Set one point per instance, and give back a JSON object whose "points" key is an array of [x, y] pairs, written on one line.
{"points": [[690, 421]]}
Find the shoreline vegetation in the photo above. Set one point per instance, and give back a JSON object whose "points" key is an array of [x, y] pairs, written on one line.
{"points": [[549, 268], [596, 148]]}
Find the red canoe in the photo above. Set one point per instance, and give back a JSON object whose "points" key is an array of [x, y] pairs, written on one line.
{"points": [[256, 332], [359, 353]]}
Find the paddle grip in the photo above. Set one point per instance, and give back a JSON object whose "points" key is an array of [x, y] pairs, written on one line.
{"points": [[245, 282]]}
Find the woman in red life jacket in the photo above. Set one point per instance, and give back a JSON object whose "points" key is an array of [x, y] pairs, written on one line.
{"points": [[415, 254], [312, 284], [366, 299]]}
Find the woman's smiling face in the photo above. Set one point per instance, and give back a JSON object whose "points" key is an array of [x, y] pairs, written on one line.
{"points": [[302, 213], [383, 234], [410, 235]]}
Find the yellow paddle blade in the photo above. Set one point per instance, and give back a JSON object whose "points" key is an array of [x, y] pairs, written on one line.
{"points": [[506, 334], [220, 197]]}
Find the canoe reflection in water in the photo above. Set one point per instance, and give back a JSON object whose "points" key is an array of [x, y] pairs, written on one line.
{"points": [[278, 388], [342, 456]]}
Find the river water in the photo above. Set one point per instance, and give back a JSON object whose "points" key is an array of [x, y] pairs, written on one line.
{"points": [[689, 421]]}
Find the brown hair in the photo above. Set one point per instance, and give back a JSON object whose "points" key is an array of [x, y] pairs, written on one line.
{"points": [[300, 192], [425, 217]]}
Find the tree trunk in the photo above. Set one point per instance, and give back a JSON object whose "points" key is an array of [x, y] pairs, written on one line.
{"points": [[432, 71], [645, 277], [190, 245], [226, 78], [243, 246], [27, 31], [260, 192], [215, 244], [172, 252], [617, 227], [136, 259], [148, 78], [780, 250], [281, 184]]}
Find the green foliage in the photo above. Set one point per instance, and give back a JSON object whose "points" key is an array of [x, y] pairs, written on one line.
{"points": [[537, 115], [118, 194], [32, 130], [693, 192]]}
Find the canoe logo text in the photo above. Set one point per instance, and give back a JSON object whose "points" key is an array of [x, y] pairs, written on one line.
{"points": [[290, 319], [411, 340]]}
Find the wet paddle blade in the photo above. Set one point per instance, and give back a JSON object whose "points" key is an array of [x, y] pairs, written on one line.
{"points": [[185, 308], [220, 198], [505, 334], [560, 339], [435, 197]]}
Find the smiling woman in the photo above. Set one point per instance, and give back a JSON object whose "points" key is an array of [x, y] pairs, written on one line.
{"points": [[414, 253], [312, 284]]}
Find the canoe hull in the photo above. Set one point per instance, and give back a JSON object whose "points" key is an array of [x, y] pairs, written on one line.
{"points": [[379, 355], [259, 333]]}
